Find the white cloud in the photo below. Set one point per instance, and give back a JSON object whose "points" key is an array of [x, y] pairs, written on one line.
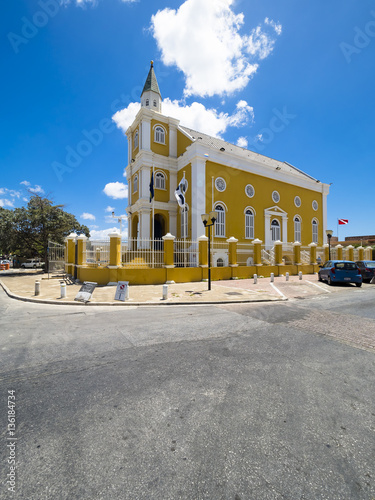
{"points": [[196, 116], [116, 190], [36, 190], [10, 192], [109, 209], [275, 26], [6, 203], [125, 117], [109, 219], [259, 137], [102, 234], [25, 183], [214, 57], [87, 216], [242, 142]]}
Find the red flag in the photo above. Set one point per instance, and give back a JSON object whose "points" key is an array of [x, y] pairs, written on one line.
{"points": [[343, 221]]}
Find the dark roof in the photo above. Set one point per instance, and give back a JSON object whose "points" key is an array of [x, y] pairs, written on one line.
{"points": [[151, 81]]}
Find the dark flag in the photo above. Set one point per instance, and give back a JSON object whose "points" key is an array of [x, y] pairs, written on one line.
{"points": [[152, 187], [180, 192]]}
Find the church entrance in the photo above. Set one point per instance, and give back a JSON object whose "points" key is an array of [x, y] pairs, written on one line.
{"points": [[159, 230]]}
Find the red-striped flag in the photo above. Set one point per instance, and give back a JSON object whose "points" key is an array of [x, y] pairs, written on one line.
{"points": [[343, 221]]}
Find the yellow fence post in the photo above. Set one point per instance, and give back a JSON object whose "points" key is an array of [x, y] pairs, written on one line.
{"points": [[312, 253], [114, 250], [168, 250], [368, 253], [232, 242], [339, 252], [279, 253], [350, 250], [297, 253], [81, 250], [326, 252], [257, 252], [70, 253], [361, 253], [203, 251]]}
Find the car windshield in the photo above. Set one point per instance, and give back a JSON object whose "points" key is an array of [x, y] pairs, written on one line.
{"points": [[347, 266], [370, 264]]}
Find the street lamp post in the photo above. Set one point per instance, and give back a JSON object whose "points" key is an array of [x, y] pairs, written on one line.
{"points": [[212, 216], [119, 219], [329, 234]]}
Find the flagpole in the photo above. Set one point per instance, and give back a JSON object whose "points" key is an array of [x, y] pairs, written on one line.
{"points": [[338, 239], [212, 186]]}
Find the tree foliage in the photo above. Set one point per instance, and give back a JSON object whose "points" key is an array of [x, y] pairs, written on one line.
{"points": [[26, 231]]}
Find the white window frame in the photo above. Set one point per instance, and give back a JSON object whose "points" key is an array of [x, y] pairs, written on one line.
{"points": [[159, 134], [315, 230], [297, 228], [136, 140], [275, 231], [160, 180], [249, 224], [220, 221]]}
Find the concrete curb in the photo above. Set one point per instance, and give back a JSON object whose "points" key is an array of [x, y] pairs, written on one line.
{"points": [[127, 304]]}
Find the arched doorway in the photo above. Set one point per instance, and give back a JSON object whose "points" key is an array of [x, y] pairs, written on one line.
{"points": [[159, 229], [135, 232]]}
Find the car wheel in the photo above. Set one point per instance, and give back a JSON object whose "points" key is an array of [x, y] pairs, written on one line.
{"points": [[34, 266], [358, 284], [22, 267], [329, 281]]}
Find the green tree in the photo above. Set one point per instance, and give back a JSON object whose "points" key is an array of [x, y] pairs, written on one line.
{"points": [[27, 230]]}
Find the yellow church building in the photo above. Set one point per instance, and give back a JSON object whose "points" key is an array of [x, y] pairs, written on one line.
{"points": [[255, 197]]}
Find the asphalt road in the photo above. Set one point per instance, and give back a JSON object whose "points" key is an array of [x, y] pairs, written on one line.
{"points": [[234, 402]]}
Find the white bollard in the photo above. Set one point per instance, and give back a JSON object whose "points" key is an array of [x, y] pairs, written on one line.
{"points": [[287, 276], [272, 277], [300, 275], [255, 279], [165, 292], [127, 292], [62, 290], [37, 287]]}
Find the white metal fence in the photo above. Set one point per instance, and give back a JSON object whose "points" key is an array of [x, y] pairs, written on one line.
{"points": [[97, 252], [185, 253], [138, 253]]}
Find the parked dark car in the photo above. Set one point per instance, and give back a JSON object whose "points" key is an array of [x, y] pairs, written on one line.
{"points": [[367, 269], [340, 271]]}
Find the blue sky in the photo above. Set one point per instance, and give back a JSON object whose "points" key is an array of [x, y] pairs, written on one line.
{"points": [[224, 67]]}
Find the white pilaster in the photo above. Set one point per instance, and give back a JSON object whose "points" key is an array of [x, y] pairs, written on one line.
{"points": [[267, 230], [173, 141], [146, 134], [285, 229], [144, 184], [198, 196]]}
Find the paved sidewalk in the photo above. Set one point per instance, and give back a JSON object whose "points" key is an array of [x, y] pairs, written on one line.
{"points": [[22, 286]]}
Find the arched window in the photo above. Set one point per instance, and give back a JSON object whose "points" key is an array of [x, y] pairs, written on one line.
{"points": [[315, 231], [220, 222], [220, 262], [147, 102], [135, 184], [249, 224], [159, 180], [154, 103], [297, 229], [136, 139], [275, 230], [160, 135], [184, 221]]}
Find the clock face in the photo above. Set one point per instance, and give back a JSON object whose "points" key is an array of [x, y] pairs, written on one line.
{"points": [[249, 190]]}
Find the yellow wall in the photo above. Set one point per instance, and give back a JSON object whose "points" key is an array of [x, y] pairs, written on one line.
{"points": [[135, 195], [160, 149], [182, 143], [236, 200]]}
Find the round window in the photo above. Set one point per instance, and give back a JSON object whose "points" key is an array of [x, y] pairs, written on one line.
{"points": [[275, 197], [297, 201], [220, 184], [249, 190], [315, 205]]}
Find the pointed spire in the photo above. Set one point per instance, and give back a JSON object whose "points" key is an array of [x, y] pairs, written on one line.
{"points": [[151, 82]]}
